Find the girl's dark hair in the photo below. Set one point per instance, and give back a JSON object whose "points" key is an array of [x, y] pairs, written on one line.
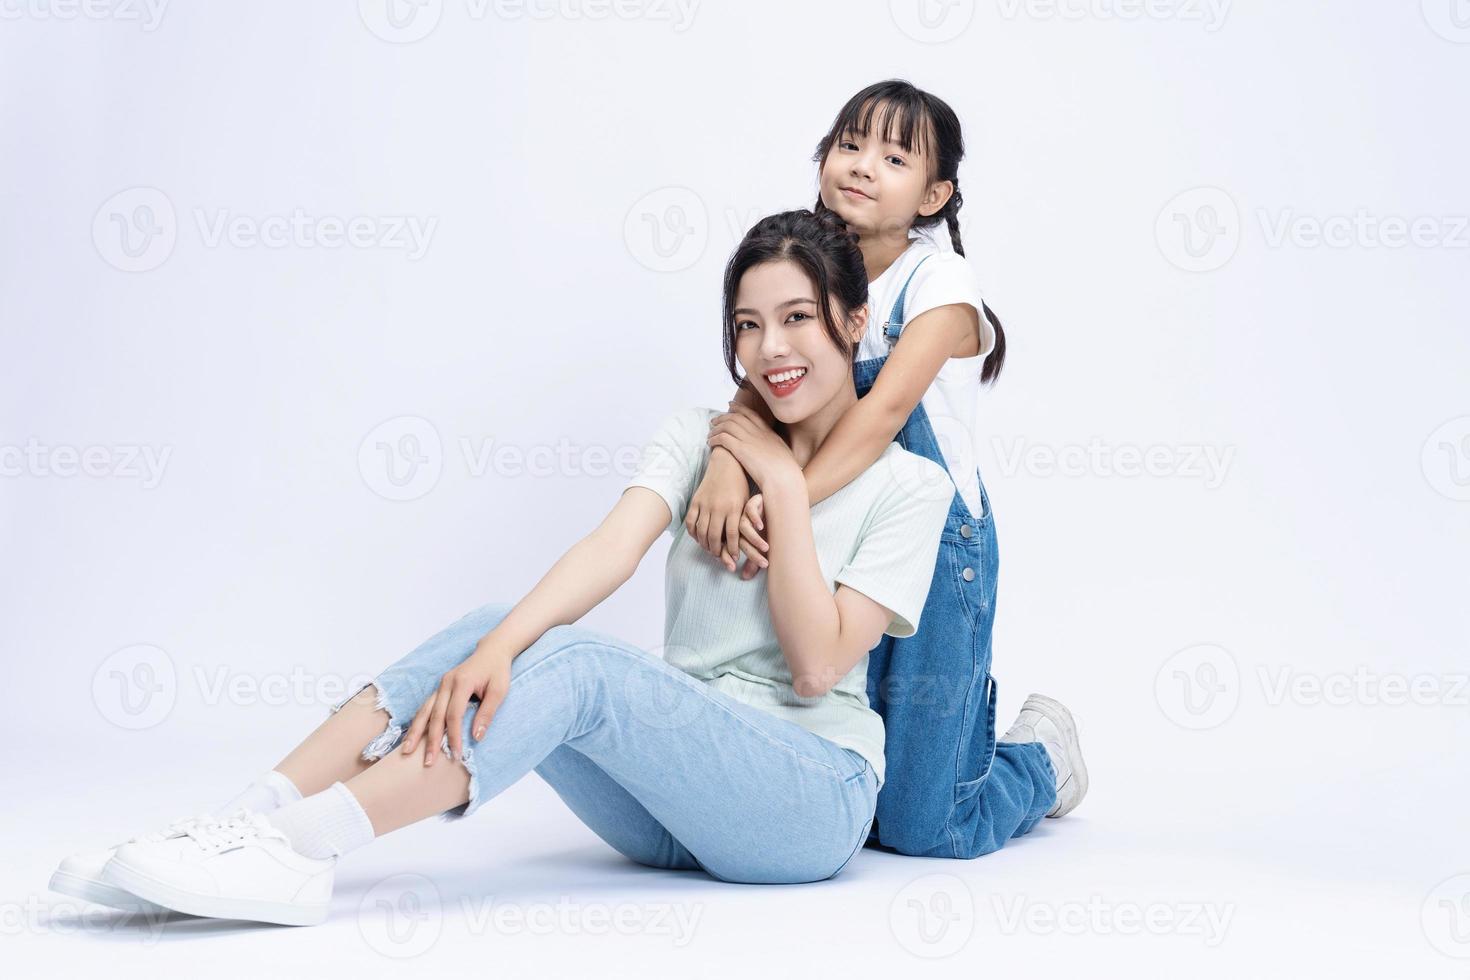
{"points": [[911, 117], [823, 247]]}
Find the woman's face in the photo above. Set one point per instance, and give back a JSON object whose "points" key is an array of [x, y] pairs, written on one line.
{"points": [[782, 345]]}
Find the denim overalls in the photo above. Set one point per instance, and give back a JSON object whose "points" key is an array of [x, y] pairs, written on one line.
{"points": [[950, 790]]}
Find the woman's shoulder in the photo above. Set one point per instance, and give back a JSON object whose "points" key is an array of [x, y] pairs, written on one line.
{"points": [[908, 474]]}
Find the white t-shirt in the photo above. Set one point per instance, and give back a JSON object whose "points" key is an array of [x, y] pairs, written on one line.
{"points": [[878, 535], [950, 401]]}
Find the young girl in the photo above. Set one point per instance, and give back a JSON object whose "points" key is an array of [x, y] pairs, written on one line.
{"points": [[748, 752], [888, 168]]}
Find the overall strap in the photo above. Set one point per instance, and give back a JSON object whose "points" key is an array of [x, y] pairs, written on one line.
{"points": [[895, 318]]}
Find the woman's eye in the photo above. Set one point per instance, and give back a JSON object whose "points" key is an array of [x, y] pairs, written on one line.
{"points": [[798, 314], [743, 324]]}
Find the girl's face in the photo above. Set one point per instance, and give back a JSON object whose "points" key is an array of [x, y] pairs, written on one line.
{"points": [[782, 345], [876, 185]]}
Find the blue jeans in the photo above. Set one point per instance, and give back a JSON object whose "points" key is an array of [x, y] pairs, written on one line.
{"points": [[667, 770]]}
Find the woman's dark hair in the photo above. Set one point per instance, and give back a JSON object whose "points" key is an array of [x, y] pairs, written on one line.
{"points": [[911, 117], [823, 248]]}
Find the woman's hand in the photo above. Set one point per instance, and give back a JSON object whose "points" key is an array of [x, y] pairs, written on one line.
{"points": [[759, 449], [752, 521], [486, 675], [714, 515]]}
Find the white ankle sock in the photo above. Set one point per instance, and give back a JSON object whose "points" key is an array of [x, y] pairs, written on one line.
{"points": [[325, 824], [269, 792]]}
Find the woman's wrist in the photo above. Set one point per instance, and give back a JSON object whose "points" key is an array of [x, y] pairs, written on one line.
{"points": [[786, 487]]}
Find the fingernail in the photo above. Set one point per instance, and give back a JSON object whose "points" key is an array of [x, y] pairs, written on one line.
{"points": [[479, 732]]}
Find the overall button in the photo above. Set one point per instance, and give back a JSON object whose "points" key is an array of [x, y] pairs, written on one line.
{"points": [[969, 574], [966, 531]]}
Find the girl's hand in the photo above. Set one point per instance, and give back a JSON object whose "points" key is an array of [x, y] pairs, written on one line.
{"points": [[760, 450], [713, 517], [753, 520], [486, 675]]}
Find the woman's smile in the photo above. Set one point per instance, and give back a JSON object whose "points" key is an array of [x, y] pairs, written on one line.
{"points": [[785, 381]]}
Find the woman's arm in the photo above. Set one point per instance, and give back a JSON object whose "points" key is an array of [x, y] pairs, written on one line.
{"points": [[866, 429], [822, 635], [590, 571]]}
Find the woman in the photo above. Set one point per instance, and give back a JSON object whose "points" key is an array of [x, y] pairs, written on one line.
{"points": [[748, 751]]}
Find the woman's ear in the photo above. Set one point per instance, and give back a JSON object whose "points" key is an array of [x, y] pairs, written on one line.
{"points": [[857, 323], [939, 194]]}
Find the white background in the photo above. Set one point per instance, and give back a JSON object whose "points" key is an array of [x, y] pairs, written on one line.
{"points": [[1267, 657]]}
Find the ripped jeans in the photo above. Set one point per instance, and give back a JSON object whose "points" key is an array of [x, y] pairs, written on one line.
{"points": [[667, 770]]}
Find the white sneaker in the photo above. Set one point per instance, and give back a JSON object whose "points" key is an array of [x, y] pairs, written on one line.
{"points": [[1050, 723], [80, 875], [239, 868]]}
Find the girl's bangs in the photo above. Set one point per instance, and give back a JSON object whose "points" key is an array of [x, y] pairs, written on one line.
{"points": [[900, 118]]}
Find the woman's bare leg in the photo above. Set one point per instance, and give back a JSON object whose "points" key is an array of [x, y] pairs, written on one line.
{"points": [[333, 753], [399, 789]]}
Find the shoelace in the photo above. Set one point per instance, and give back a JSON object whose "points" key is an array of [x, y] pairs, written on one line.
{"points": [[238, 828], [176, 829]]}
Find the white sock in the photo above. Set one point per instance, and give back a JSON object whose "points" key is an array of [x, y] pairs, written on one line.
{"points": [[270, 792], [325, 824]]}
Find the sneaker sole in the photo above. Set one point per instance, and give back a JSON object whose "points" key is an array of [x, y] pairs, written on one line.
{"points": [[211, 906], [1062, 718], [101, 893]]}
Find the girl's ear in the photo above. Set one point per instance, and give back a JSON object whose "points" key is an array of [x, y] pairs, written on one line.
{"points": [[939, 194]]}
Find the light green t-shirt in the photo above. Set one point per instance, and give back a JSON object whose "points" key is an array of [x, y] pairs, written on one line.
{"points": [[878, 535]]}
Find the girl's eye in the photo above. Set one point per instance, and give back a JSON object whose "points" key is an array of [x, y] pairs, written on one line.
{"points": [[896, 160], [847, 145], [742, 324]]}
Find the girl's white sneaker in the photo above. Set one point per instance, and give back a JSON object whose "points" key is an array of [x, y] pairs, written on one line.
{"points": [[1045, 720], [241, 867], [80, 874]]}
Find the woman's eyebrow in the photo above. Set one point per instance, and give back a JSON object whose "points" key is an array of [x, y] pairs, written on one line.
{"points": [[781, 306]]}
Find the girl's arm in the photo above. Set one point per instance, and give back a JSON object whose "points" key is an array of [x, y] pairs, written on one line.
{"points": [[866, 429], [822, 635], [715, 509]]}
